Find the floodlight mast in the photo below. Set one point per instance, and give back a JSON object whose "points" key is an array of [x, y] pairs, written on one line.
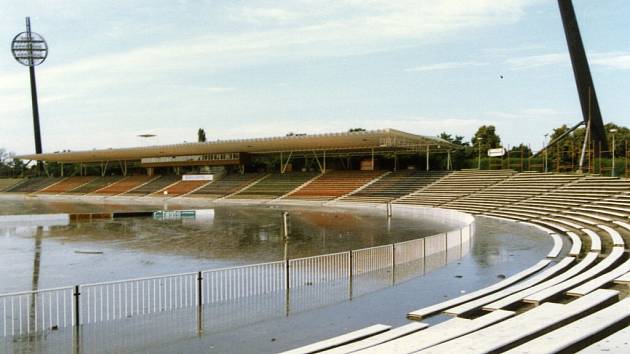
{"points": [[30, 49], [583, 79]]}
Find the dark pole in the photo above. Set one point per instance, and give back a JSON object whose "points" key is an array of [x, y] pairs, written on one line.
{"points": [[582, 73], [38, 137], [31, 69]]}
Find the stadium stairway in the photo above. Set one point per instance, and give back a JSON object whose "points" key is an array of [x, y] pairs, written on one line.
{"points": [[180, 188], [124, 185], [227, 185], [274, 186], [567, 302], [7, 183], [32, 185], [393, 186], [67, 184], [455, 186], [334, 184], [94, 185], [154, 185]]}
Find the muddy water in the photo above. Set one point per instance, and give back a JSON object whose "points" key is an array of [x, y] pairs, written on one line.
{"points": [[263, 325], [86, 252]]}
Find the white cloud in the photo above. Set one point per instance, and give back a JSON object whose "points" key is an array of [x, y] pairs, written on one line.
{"points": [[266, 15], [446, 66], [609, 60], [613, 60], [536, 61], [132, 87]]}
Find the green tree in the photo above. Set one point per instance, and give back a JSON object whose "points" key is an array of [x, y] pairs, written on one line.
{"points": [[201, 135], [457, 140], [488, 136], [527, 151], [352, 130]]}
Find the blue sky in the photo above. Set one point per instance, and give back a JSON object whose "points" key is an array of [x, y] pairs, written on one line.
{"points": [[238, 69]]}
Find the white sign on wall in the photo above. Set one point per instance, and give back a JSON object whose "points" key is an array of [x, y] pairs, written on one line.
{"points": [[496, 152], [197, 177]]}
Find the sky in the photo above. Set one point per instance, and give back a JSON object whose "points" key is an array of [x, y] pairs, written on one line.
{"points": [[242, 69]]}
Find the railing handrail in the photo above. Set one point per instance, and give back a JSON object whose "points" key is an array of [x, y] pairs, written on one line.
{"points": [[241, 266], [320, 255], [39, 291], [137, 279]]}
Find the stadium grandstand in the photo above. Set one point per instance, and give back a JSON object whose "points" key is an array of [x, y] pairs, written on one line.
{"points": [[318, 149], [580, 290]]}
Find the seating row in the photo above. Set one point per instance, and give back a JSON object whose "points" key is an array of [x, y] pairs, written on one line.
{"points": [[275, 185], [395, 185], [590, 216], [454, 186], [334, 184]]}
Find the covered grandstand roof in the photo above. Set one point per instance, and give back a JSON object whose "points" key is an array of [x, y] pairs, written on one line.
{"points": [[385, 139]]}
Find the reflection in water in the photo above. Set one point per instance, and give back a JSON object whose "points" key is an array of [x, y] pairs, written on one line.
{"points": [[103, 250], [161, 327], [36, 265], [153, 333]]}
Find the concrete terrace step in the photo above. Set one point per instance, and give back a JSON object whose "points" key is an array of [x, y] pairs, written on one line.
{"points": [[527, 325], [573, 334], [439, 307]]}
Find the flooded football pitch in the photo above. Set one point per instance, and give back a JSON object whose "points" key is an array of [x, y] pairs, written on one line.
{"points": [[43, 255]]}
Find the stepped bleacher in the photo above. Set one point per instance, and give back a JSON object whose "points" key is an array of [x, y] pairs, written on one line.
{"points": [[67, 184], [334, 184], [456, 185], [581, 190], [565, 302], [581, 294], [156, 184], [6, 183], [275, 185], [227, 185], [124, 185], [33, 184], [395, 185], [512, 190], [95, 184], [181, 188]]}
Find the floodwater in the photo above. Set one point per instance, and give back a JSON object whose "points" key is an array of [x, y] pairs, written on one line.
{"points": [[128, 248], [263, 324], [106, 250], [18, 205]]}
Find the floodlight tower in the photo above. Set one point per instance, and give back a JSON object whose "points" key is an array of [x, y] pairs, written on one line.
{"points": [[30, 49], [586, 91]]}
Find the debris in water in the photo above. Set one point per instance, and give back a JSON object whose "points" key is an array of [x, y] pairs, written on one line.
{"points": [[273, 339], [459, 276], [501, 276], [89, 252]]}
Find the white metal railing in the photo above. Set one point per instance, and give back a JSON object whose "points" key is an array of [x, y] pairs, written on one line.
{"points": [[127, 298], [49, 309], [33, 311], [318, 269], [409, 251], [371, 259], [238, 282]]}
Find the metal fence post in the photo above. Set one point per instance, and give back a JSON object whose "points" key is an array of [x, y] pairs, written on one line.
{"points": [[77, 307], [350, 274], [287, 285], [393, 263], [199, 289]]}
